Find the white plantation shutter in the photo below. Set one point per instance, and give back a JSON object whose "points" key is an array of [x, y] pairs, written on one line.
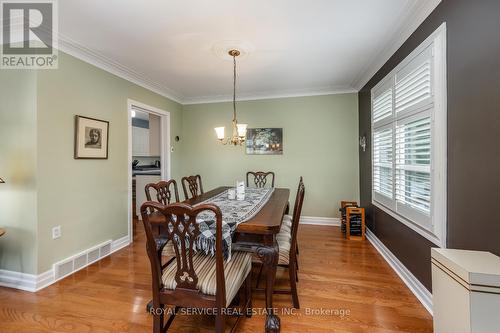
{"points": [[413, 165], [414, 83], [383, 181], [408, 176], [382, 106]]}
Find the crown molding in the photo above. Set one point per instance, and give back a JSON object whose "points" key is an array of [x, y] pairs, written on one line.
{"points": [[73, 48], [414, 16], [268, 95]]}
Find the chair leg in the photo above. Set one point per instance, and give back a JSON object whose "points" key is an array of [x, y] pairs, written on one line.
{"points": [[158, 320], [248, 295], [259, 275], [171, 318], [296, 263], [297, 270], [220, 322], [293, 285], [297, 275]]}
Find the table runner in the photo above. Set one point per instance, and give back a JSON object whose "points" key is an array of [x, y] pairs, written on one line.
{"points": [[234, 212]]}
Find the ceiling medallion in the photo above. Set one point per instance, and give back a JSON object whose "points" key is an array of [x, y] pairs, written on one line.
{"points": [[222, 48]]}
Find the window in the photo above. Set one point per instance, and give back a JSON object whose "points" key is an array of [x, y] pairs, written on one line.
{"points": [[409, 140]]}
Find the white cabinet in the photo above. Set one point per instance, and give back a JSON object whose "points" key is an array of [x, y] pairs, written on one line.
{"points": [[466, 291], [146, 141], [140, 141], [154, 135]]}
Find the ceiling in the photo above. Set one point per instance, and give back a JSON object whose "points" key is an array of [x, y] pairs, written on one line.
{"points": [[290, 47]]}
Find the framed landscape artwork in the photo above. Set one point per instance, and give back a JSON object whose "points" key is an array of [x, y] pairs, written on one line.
{"points": [[91, 138], [264, 141]]}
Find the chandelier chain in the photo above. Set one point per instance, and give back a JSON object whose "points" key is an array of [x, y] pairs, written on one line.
{"points": [[239, 130], [234, 87]]}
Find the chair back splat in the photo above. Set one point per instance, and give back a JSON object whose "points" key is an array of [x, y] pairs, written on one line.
{"points": [[192, 186], [260, 178], [187, 279], [165, 192], [180, 228]]}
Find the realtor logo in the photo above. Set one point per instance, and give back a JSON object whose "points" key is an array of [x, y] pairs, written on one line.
{"points": [[28, 34]]}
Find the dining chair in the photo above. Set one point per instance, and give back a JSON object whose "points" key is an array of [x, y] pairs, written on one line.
{"points": [[193, 185], [260, 178], [287, 246], [165, 193], [193, 279]]}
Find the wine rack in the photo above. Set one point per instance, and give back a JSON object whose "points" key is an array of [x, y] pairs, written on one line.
{"points": [[355, 223]]}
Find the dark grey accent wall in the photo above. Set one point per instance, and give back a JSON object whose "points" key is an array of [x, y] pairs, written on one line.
{"points": [[473, 74]]}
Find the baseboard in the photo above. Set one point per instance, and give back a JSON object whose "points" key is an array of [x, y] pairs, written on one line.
{"points": [[45, 280], [17, 280], [416, 287], [34, 283], [314, 220], [120, 243]]}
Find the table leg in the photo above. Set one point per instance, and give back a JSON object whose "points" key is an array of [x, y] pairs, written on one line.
{"points": [[269, 257]]}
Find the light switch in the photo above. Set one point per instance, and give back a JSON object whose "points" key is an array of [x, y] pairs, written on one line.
{"points": [[56, 232]]}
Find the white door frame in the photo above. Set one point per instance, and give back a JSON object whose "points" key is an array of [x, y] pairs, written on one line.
{"points": [[165, 149]]}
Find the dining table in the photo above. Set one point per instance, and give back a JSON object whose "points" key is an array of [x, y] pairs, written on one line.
{"points": [[258, 235]]}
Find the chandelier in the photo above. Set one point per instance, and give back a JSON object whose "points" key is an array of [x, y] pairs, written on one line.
{"points": [[239, 130]]}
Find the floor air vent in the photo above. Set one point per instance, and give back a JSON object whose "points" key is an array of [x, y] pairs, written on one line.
{"points": [[93, 256], [70, 265], [80, 262], [105, 250]]}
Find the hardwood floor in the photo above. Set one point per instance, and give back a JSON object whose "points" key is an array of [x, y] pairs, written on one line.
{"points": [[335, 275]]}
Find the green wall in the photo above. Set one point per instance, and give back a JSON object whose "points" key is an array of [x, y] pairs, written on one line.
{"points": [[45, 186], [18, 203], [320, 143], [88, 198]]}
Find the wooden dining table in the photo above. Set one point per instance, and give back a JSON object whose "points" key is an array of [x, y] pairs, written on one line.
{"points": [[258, 235]]}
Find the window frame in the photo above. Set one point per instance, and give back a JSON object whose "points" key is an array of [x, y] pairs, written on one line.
{"points": [[435, 228]]}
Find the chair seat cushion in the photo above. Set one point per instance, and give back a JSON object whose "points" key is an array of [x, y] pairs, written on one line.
{"points": [[284, 239], [284, 235], [284, 230], [287, 220], [284, 245], [168, 250], [236, 271]]}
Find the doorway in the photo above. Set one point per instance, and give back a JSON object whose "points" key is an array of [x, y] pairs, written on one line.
{"points": [[149, 158]]}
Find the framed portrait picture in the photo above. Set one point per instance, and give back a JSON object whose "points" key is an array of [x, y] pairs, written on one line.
{"points": [[264, 141], [91, 138]]}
